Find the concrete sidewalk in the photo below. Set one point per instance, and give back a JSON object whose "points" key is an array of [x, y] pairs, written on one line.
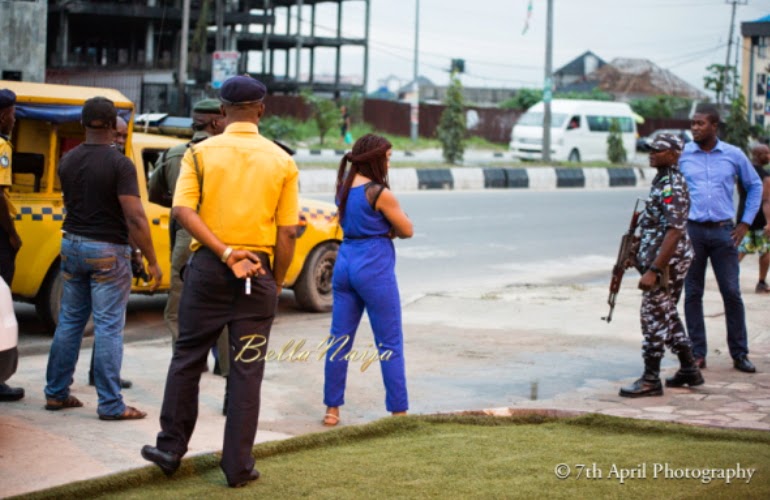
{"points": [[527, 345]]}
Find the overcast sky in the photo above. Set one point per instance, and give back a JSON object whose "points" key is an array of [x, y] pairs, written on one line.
{"points": [[684, 36]]}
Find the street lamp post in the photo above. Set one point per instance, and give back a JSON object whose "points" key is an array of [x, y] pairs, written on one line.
{"points": [[415, 105], [548, 83]]}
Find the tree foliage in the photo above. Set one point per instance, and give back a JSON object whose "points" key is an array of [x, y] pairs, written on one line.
{"points": [[526, 98], [737, 128], [451, 127], [324, 111], [722, 80], [616, 153], [661, 106]]}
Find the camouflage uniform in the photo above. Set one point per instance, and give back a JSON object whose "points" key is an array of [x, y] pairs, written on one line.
{"points": [[180, 252], [667, 207]]}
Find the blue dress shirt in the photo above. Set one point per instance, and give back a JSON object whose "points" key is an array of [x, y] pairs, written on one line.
{"points": [[710, 176]]}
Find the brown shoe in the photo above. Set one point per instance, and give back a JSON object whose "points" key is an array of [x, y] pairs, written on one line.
{"points": [[130, 413], [700, 363], [56, 405]]}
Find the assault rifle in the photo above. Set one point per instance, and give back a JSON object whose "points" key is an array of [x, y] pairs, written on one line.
{"points": [[629, 243]]}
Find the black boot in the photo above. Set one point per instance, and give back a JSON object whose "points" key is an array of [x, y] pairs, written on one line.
{"points": [[688, 374], [648, 384]]}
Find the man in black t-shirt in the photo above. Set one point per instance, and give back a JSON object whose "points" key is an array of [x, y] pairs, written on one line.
{"points": [[757, 240], [101, 196]]}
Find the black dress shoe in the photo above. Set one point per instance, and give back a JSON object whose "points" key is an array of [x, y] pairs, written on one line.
{"points": [[8, 393], [253, 476], [743, 364], [167, 461]]}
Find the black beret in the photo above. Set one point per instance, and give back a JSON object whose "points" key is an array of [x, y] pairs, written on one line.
{"points": [[242, 90], [7, 98]]}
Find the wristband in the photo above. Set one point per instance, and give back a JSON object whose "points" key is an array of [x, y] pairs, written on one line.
{"points": [[655, 269], [226, 254]]}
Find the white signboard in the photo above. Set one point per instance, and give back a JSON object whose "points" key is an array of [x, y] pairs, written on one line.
{"points": [[223, 66]]}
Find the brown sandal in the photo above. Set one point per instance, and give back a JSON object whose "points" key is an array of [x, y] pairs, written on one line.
{"points": [[68, 402], [130, 413]]}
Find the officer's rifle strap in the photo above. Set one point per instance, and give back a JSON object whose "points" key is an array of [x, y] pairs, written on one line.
{"points": [[198, 174]]}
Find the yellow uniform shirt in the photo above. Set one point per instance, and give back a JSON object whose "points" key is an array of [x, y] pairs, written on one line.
{"points": [[250, 186], [6, 175]]}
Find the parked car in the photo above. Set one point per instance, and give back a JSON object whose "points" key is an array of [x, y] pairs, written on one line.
{"points": [[47, 126], [643, 143]]}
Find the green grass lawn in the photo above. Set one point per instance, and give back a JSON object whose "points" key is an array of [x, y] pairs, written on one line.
{"points": [[472, 457]]}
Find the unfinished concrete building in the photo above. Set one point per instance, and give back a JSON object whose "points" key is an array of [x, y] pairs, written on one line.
{"points": [[134, 46]]}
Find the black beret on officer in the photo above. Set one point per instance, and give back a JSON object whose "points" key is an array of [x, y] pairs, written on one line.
{"points": [[242, 90], [7, 98]]}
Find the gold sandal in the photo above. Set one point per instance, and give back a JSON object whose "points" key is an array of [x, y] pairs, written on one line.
{"points": [[330, 419]]}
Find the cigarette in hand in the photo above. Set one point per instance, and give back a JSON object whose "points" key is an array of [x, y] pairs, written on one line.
{"points": [[248, 286]]}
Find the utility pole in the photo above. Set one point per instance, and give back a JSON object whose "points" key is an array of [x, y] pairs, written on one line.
{"points": [[729, 47], [415, 107], [219, 18], [182, 76], [548, 83], [298, 59]]}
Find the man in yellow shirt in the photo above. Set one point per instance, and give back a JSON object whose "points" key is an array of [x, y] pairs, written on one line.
{"points": [[9, 238], [237, 195]]}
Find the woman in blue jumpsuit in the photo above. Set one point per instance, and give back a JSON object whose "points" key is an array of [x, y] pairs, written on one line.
{"points": [[364, 274]]}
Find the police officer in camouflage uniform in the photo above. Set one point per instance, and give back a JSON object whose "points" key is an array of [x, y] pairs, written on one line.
{"points": [[664, 255], [207, 121]]}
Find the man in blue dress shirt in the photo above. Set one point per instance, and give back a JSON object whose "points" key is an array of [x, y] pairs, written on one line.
{"points": [[710, 167]]}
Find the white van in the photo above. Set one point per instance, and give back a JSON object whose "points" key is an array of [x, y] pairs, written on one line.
{"points": [[579, 130]]}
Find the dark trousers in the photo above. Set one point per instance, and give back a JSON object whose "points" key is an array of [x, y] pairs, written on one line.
{"points": [[213, 297], [7, 258], [715, 243]]}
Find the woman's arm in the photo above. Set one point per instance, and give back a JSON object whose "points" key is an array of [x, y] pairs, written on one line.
{"points": [[388, 205]]}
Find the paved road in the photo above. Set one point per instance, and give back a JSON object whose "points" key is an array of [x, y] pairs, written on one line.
{"points": [[463, 240]]}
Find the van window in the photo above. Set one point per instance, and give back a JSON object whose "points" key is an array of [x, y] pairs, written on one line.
{"points": [[598, 123], [574, 123], [535, 119]]}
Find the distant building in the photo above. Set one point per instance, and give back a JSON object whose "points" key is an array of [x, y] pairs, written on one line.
{"points": [[133, 45], [577, 70], [22, 44], [481, 96], [625, 79], [755, 71]]}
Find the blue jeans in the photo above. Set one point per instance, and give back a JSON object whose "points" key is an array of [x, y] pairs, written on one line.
{"points": [[717, 244], [97, 278]]}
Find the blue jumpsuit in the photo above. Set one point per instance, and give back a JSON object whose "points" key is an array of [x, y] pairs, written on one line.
{"points": [[364, 277]]}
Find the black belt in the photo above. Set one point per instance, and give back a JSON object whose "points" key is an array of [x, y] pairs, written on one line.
{"points": [[712, 223]]}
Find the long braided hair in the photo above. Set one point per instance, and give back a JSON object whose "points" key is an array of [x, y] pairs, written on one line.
{"points": [[368, 158]]}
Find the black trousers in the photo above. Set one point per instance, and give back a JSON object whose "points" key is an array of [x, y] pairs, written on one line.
{"points": [[213, 297]]}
